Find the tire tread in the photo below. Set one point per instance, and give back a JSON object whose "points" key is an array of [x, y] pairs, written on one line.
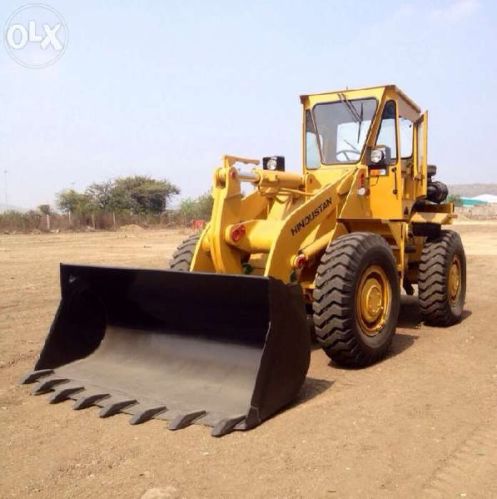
{"points": [[333, 299], [182, 257], [433, 278]]}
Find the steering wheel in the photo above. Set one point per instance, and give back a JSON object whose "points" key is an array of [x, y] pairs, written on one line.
{"points": [[346, 152]]}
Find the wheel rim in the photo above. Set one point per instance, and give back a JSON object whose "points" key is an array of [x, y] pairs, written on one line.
{"points": [[373, 300], [454, 285]]}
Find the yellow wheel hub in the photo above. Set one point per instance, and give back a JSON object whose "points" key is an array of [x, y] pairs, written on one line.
{"points": [[454, 284], [373, 300]]}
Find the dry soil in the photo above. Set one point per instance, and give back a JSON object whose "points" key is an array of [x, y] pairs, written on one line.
{"points": [[422, 422]]}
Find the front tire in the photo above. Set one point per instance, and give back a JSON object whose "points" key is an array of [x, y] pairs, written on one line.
{"points": [[356, 299], [442, 280], [183, 256]]}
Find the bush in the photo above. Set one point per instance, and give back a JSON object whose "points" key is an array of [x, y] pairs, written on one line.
{"points": [[13, 220], [196, 208]]}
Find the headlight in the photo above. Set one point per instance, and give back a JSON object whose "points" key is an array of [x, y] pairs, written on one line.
{"points": [[377, 156], [272, 164]]}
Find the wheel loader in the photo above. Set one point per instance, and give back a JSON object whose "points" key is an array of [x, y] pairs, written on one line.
{"points": [[221, 338]]}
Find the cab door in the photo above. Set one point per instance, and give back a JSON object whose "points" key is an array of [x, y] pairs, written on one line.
{"points": [[384, 182]]}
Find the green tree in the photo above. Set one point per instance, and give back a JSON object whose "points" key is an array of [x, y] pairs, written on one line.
{"points": [[196, 208], [101, 196], [187, 210], [70, 201], [142, 194], [135, 194]]}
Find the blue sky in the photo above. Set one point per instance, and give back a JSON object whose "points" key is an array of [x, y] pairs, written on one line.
{"points": [[166, 88]]}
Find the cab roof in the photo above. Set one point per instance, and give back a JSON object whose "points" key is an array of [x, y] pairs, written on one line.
{"points": [[394, 88]]}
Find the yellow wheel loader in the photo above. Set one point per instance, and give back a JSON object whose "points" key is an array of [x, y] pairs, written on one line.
{"points": [[222, 338]]}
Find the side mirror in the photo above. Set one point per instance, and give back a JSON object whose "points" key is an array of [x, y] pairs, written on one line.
{"points": [[379, 156], [274, 163]]}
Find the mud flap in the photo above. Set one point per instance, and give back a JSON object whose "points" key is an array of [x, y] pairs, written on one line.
{"points": [[221, 350]]}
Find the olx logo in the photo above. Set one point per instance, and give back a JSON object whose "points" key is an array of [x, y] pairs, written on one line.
{"points": [[25, 35], [36, 36]]}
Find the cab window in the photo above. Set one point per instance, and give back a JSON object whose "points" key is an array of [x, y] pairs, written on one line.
{"points": [[342, 128], [312, 159], [387, 135], [406, 137]]}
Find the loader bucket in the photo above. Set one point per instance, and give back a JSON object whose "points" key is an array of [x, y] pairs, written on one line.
{"points": [[220, 350]]}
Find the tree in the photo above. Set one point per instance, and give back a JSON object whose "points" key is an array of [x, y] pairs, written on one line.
{"points": [[196, 208], [69, 201], [188, 210], [142, 194], [136, 194], [101, 195], [46, 210]]}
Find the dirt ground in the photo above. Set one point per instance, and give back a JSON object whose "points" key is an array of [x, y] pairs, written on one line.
{"points": [[421, 423]]}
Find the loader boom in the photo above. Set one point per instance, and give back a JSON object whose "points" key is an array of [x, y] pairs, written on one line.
{"points": [[265, 232]]}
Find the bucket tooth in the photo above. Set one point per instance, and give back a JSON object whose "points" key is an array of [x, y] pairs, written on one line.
{"points": [[226, 426], [147, 414], [33, 376], [183, 420], [115, 407], [62, 394], [48, 385], [89, 400]]}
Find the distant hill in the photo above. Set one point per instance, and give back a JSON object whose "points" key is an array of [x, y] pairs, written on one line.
{"points": [[8, 207], [471, 190]]}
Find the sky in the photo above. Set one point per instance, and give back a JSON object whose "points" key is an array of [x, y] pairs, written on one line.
{"points": [[165, 88]]}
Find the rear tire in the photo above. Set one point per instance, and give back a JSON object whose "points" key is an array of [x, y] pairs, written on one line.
{"points": [[183, 256], [442, 280], [356, 299]]}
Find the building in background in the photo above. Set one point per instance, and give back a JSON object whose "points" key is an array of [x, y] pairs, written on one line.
{"points": [[481, 200]]}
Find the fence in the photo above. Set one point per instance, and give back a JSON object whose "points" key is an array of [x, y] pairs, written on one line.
{"points": [[32, 221], [480, 212]]}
